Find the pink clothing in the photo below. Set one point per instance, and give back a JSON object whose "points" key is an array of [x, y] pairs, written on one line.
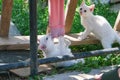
{"points": [[56, 17]]}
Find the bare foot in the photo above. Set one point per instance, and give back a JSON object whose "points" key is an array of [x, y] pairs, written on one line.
{"points": [[98, 77]]}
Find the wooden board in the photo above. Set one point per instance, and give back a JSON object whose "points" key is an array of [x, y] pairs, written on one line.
{"points": [[14, 43], [75, 41], [69, 14], [117, 23], [23, 42], [25, 72], [5, 17]]}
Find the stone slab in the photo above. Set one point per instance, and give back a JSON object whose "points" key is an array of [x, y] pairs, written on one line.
{"points": [[75, 75]]}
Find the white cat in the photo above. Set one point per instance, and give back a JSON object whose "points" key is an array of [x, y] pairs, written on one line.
{"points": [[98, 25], [50, 49]]}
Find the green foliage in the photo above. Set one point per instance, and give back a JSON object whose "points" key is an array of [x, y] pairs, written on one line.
{"points": [[42, 20], [90, 63], [36, 77], [20, 16], [104, 10]]}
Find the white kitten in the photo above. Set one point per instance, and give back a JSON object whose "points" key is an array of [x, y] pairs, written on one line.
{"points": [[98, 25], [50, 49]]}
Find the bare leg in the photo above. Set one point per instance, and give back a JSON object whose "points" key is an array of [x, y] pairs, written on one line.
{"points": [[61, 44]]}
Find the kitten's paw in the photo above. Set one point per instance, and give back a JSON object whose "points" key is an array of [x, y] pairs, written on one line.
{"points": [[81, 33], [80, 38]]}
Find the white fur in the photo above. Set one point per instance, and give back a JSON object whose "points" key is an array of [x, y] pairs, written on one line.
{"points": [[50, 49], [98, 25]]}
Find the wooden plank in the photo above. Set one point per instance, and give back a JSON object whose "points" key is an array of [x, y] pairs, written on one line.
{"points": [[69, 14], [48, 30], [75, 41], [25, 72], [23, 42], [14, 42], [117, 23], [5, 17]]}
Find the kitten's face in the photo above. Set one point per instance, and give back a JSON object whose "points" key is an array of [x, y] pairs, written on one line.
{"points": [[86, 10], [45, 42]]}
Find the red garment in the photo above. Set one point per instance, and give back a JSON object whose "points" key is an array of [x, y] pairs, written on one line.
{"points": [[56, 17]]}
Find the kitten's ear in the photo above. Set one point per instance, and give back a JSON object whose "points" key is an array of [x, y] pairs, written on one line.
{"points": [[83, 2], [92, 7]]}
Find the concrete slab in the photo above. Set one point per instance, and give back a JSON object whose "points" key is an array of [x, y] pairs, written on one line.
{"points": [[75, 75]]}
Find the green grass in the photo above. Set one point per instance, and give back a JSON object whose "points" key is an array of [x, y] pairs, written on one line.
{"points": [[20, 16]]}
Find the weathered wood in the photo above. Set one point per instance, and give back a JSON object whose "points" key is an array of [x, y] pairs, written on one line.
{"points": [[117, 23], [75, 41], [25, 72], [48, 30], [69, 14], [5, 17], [23, 42], [14, 43]]}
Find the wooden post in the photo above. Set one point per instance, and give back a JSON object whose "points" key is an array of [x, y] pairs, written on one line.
{"points": [[5, 17], [117, 23], [69, 14]]}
